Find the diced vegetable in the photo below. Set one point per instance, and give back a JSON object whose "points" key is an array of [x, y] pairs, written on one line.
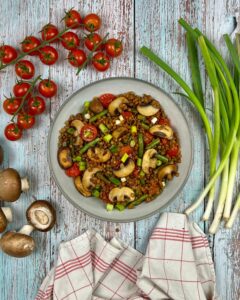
{"points": [[114, 180], [141, 174], [139, 162], [153, 144], [138, 201], [95, 193], [71, 130], [109, 207], [98, 116], [140, 117], [89, 145], [77, 158], [82, 165], [103, 178], [103, 128], [161, 158], [132, 143], [124, 157], [159, 162], [133, 129], [113, 149], [86, 104], [120, 206], [145, 126], [140, 145], [107, 138]]}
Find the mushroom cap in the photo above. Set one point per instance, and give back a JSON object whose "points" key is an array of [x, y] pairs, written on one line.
{"points": [[147, 110], [119, 195], [167, 171], [64, 158], [148, 160], [114, 106], [98, 154], [87, 178], [17, 244], [41, 215], [163, 131], [3, 221], [1, 154], [79, 186], [78, 125], [10, 183], [125, 170]]}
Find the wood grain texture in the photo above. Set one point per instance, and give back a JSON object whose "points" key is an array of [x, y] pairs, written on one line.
{"points": [[138, 22]]}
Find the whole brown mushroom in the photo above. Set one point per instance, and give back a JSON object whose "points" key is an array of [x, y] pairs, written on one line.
{"points": [[12, 185], [1, 154], [5, 217]]}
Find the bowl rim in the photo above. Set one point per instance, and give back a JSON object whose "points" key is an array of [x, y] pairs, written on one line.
{"points": [[92, 214]]}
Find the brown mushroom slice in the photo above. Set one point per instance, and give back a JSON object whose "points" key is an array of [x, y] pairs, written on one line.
{"points": [[87, 178], [12, 185], [123, 194], [78, 125], [41, 215], [18, 244], [1, 154], [149, 161], [119, 132], [99, 155], [79, 186], [96, 106], [5, 217], [64, 158], [147, 110], [167, 172], [115, 105], [125, 170], [163, 131]]}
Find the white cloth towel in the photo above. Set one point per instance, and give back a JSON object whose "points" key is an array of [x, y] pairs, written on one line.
{"points": [[177, 265]]}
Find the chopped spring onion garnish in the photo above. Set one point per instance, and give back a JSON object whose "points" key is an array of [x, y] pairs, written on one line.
{"points": [[109, 207], [132, 143], [139, 162], [133, 129], [107, 138], [120, 206], [124, 157]]}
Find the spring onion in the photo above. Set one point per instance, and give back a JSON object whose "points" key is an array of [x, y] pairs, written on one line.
{"points": [[139, 162], [141, 174], [95, 193], [140, 145], [124, 157], [103, 128], [98, 116], [159, 163], [120, 206], [82, 165], [109, 207], [71, 130], [89, 145], [133, 129], [107, 138], [77, 158], [132, 143]]}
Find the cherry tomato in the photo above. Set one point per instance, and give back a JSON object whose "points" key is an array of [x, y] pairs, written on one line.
{"points": [[47, 88], [101, 61], [92, 40], [88, 132], [92, 22], [77, 57], [127, 114], [70, 40], [11, 105], [7, 54], [113, 47], [36, 106], [125, 149], [20, 89], [13, 132], [106, 99], [163, 121], [25, 121], [173, 152], [25, 69], [147, 137], [73, 171], [72, 19], [48, 55], [49, 32], [30, 43]]}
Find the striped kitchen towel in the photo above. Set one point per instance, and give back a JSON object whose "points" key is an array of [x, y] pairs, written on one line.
{"points": [[177, 265]]}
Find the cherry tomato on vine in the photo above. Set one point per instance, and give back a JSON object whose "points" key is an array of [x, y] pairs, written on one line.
{"points": [[101, 61], [113, 47], [13, 132], [47, 88], [7, 54], [49, 32], [92, 22], [36, 106], [11, 105], [48, 55], [30, 43], [72, 19], [92, 40], [25, 69], [106, 99], [88, 132], [21, 88], [25, 121], [73, 171], [77, 57], [70, 40]]}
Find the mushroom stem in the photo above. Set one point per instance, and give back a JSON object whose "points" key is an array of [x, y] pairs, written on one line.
{"points": [[24, 184], [26, 229], [8, 213]]}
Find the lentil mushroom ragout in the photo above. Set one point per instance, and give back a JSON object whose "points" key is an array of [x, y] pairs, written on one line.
{"points": [[120, 149]]}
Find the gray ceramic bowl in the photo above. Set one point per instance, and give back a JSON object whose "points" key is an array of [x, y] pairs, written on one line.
{"points": [[93, 206]]}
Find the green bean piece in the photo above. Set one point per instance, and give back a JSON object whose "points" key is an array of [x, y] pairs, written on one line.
{"points": [[162, 158], [153, 144], [140, 145], [145, 126], [71, 130], [98, 116], [114, 180], [103, 178], [113, 149], [138, 201], [89, 145]]}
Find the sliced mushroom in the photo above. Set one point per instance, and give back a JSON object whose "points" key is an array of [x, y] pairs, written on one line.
{"points": [[78, 125], [119, 132], [121, 194], [115, 105], [18, 244], [147, 110], [41, 215], [125, 170], [64, 158], [96, 106], [80, 187], [163, 131], [87, 177], [1, 154], [12, 185], [149, 161], [5, 217], [167, 172], [98, 155]]}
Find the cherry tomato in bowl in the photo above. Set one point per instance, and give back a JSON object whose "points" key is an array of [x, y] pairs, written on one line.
{"points": [[106, 99], [49, 32], [101, 61], [7, 54], [113, 47], [73, 171], [173, 152], [21, 88], [88, 132], [13, 132], [92, 40], [47, 88], [29, 44], [11, 105], [70, 40], [48, 55], [92, 22], [36, 106], [25, 121], [72, 19], [25, 69], [77, 57]]}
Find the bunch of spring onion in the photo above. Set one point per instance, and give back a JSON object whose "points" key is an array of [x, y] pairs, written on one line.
{"points": [[224, 134]]}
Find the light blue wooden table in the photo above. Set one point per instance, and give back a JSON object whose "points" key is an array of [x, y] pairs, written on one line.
{"points": [[139, 22]]}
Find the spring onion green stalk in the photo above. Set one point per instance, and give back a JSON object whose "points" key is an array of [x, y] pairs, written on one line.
{"points": [[132, 143], [82, 165], [107, 138], [234, 213], [159, 163], [120, 206], [124, 157], [109, 207], [89, 145], [133, 129], [139, 162], [141, 174], [95, 193], [98, 116]]}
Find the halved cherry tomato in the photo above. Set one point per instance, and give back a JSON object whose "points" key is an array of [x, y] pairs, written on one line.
{"points": [[163, 121], [73, 171], [125, 149], [113, 47], [92, 40], [127, 114], [106, 99], [48, 55], [11, 105], [25, 69], [88, 132], [47, 88], [13, 132], [36, 106], [101, 61], [77, 57], [70, 40], [21, 88], [72, 19], [7, 54], [92, 22], [147, 137], [30, 43], [173, 152], [25, 121], [49, 32]]}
